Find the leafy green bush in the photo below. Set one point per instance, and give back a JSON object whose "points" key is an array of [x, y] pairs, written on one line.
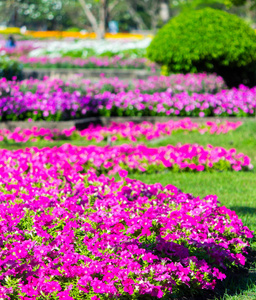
{"points": [[207, 40], [10, 68]]}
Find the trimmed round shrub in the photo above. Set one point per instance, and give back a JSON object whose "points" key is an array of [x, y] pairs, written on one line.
{"points": [[207, 40]]}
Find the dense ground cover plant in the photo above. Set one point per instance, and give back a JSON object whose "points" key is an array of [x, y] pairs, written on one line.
{"points": [[70, 235], [115, 62], [140, 158], [128, 131], [206, 40], [54, 100]]}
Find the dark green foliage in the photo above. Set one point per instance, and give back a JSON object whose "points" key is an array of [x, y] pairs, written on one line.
{"points": [[207, 40], [10, 68]]}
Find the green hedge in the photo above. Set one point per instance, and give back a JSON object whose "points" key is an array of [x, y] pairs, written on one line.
{"points": [[207, 40], [10, 68]]}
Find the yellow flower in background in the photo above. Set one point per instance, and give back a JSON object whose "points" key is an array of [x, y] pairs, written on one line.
{"points": [[67, 34]]}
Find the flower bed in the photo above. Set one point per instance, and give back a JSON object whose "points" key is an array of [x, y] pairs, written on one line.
{"points": [[86, 48], [22, 48], [17, 51], [235, 102], [115, 62], [67, 235], [127, 131], [77, 48], [175, 83], [54, 101], [139, 158]]}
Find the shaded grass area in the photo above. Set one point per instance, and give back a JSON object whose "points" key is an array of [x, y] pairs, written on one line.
{"points": [[235, 190]]}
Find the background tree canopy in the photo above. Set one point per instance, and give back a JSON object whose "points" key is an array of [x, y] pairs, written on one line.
{"points": [[87, 14]]}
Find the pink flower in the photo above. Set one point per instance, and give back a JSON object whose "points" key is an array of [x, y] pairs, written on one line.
{"points": [[157, 292], [128, 286], [240, 258], [123, 173]]}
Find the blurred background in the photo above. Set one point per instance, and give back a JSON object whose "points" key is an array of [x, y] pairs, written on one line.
{"points": [[105, 16]]}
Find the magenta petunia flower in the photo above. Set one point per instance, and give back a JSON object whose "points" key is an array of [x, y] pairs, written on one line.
{"points": [[123, 173]]}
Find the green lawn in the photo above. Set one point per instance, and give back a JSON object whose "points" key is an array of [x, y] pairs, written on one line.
{"points": [[236, 190]]}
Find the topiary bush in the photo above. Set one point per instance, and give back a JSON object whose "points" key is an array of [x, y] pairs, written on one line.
{"points": [[207, 40]]}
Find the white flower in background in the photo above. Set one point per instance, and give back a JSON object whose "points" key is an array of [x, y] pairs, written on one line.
{"points": [[57, 48]]}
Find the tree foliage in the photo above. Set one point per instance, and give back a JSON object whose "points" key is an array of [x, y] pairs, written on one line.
{"points": [[84, 14]]}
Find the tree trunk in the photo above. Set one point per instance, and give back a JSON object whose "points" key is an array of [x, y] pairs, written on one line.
{"points": [[154, 21], [154, 14], [164, 11], [103, 19], [90, 16], [137, 18], [248, 10]]}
